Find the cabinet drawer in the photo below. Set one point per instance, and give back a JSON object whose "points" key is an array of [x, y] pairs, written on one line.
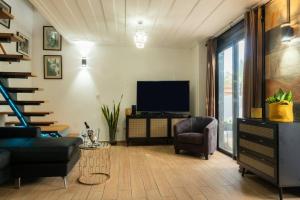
{"points": [[259, 148], [265, 132], [158, 127], [258, 165], [258, 140], [137, 128]]}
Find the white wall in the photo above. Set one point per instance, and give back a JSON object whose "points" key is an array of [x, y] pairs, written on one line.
{"points": [[23, 23], [199, 64], [111, 71], [202, 57]]}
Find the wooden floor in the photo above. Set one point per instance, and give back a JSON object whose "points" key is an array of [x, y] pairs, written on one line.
{"points": [[155, 173]]}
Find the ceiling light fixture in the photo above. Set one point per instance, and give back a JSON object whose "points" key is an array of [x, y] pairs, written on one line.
{"points": [[287, 31], [140, 37]]}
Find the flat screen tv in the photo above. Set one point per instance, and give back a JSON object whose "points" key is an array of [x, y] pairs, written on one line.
{"points": [[163, 96]]}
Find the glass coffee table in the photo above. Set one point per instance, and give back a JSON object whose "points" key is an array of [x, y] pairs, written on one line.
{"points": [[94, 164]]}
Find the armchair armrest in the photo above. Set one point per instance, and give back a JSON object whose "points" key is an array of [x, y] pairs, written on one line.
{"points": [[210, 135], [22, 132], [211, 127]]}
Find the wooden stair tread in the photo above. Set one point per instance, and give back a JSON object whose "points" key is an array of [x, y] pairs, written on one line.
{"points": [[32, 123], [13, 57], [22, 90], [16, 75], [5, 14], [35, 113], [54, 128], [23, 102], [10, 37]]}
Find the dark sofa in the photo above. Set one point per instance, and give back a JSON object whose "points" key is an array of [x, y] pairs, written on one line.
{"points": [[26, 154], [196, 134], [4, 165]]}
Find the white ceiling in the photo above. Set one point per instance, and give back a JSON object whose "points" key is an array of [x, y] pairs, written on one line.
{"points": [[168, 23]]}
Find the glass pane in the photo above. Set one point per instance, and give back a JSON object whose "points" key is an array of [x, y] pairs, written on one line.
{"points": [[241, 49], [225, 60]]}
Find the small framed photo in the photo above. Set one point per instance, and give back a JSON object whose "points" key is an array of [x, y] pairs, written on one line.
{"points": [[51, 39], [23, 47], [53, 67], [6, 7]]}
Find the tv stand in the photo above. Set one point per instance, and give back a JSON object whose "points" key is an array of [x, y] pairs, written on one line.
{"points": [[151, 128]]}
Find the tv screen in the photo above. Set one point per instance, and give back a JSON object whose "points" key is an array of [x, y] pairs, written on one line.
{"points": [[163, 96]]}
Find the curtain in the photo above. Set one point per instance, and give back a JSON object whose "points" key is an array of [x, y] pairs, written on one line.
{"points": [[252, 91], [211, 77]]}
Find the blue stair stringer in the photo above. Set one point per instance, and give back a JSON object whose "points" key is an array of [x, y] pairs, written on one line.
{"points": [[18, 109], [10, 99]]}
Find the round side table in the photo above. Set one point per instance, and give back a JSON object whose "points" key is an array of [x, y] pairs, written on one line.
{"points": [[94, 164]]}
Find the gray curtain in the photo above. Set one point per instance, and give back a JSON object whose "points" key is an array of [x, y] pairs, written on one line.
{"points": [[211, 77], [252, 91]]}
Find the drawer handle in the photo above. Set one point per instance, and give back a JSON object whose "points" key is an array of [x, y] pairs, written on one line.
{"points": [[261, 141], [262, 159]]}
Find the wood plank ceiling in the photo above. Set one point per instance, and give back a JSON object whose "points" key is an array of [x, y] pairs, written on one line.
{"points": [[168, 23]]}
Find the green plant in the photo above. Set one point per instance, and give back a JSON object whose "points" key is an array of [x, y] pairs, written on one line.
{"points": [[280, 96], [112, 118]]}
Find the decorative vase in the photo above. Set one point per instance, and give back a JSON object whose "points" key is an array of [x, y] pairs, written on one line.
{"points": [[256, 113], [112, 136], [281, 112]]}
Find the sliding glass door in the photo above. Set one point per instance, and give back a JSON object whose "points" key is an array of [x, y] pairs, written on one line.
{"points": [[230, 86]]}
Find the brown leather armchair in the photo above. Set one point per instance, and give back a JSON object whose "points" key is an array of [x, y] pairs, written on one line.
{"points": [[196, 134]]}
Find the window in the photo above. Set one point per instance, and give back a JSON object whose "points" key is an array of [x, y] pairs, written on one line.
{"points": [[230, 67]]}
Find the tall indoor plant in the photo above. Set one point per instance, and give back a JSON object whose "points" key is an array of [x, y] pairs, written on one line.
{"points": [[281, 106], [112, 118]]}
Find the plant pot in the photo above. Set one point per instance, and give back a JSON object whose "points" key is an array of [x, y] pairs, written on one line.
{"points": [[112, 136], [281, 112]]}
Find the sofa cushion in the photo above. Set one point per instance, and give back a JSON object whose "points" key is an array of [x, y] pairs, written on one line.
{"points": [[190, 138], [4, 158], [41, 150]]}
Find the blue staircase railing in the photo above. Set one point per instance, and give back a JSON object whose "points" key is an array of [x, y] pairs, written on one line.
{"points": [[23, 120]]}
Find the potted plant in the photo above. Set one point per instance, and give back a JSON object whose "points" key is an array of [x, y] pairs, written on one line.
{"points": [[112, 118], [281, 106]]}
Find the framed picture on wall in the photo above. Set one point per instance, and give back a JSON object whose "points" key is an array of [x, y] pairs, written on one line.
{"points": [[51, 39], [7, 8], [53, 67], [23, 47]]}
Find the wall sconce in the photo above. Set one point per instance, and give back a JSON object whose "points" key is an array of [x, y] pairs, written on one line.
{"points": [[83, 62], [287, 31]]}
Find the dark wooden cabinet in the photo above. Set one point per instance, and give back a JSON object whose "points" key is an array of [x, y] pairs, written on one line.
{"points": [[270, 150], [151, 129]]}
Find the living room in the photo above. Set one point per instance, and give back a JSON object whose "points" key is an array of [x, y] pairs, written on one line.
{"points": [[149, 99]]}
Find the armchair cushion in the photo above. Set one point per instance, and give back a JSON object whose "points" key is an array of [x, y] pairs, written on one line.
{"points": [[183, 126], [190, 138]]}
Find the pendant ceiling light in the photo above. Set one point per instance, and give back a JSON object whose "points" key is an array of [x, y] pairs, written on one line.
{"points": [[287, 31], [140, 37]]}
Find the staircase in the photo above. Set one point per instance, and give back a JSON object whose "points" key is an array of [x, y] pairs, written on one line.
{"points": [[10, 94]]}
